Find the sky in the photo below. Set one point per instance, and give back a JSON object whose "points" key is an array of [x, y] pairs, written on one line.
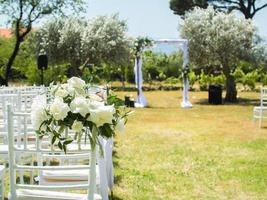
{"points": [[153, 18]]}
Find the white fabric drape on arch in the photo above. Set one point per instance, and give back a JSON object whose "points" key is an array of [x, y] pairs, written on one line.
{"points": [[141, 99]]}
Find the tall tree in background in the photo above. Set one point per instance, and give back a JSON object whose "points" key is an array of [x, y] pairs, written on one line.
{"points": [[21, 14], [80, 43], [217, 38], [248, 7], [179, 7]]}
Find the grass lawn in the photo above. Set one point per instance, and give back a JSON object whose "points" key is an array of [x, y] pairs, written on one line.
{"points": [[207, 152]]}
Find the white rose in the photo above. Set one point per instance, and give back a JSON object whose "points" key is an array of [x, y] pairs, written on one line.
{"points": [[96, 104], [38, 111], [73, 90], [120, 126], [65, 86], [70, 89], [76, 82], [80, 105], [77, 126], [61, 93], [102, 115], [59, 109]]}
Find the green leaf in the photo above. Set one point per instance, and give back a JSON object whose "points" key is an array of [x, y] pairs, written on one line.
{"points": [[60, 145], [64, 148], [54, 139], [66, 142]]}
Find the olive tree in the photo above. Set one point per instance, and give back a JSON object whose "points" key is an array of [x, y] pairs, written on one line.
{"points": [[104, 39], [217, 38], [60, 40], [80, 42], [21, 14]]}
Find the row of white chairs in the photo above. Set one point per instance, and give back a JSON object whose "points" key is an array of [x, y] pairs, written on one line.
{"points": [[52, 178], [22, 131], [22, 89]]}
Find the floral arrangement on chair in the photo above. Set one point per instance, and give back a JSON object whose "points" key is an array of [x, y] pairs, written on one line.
{"points": [[72, 107]]}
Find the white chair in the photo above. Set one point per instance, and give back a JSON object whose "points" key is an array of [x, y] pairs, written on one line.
{"points": [[4, 99], [19, 191], [23, 89], [260, 112], [61, 177], [2, 180]]}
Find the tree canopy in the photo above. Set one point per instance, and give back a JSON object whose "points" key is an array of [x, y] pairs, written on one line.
{"points": [[248, 7], [21, 14], [179, 7], [82, 43], [217, 38]]}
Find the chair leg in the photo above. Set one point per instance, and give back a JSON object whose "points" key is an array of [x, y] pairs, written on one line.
{"points": [[31, 173], [254, 119], [260, 119], [2, 186]]}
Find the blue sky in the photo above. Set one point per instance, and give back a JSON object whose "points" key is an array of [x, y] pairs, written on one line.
{"points": [[153, 18]]}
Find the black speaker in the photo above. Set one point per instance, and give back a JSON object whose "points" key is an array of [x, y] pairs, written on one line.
{"points": [[215, 94], [42, 62]]}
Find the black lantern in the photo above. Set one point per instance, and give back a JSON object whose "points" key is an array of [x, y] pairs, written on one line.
{"points": [[42, 64]]}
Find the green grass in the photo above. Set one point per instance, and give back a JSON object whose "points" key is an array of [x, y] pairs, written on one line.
{"points": [[207, 152]]}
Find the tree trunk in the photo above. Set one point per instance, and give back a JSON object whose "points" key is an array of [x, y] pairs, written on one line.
{"points": [[230, 89], [10, 62], [123, 77], [231, 92], [248, 15]]}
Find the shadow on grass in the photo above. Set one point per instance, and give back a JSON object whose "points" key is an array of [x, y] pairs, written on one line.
{"points": [[115, 155], [239, 102], [114, 197], [117, 178]]}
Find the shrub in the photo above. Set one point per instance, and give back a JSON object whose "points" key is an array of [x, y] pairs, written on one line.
{"points": [[264, 79], [204, 81], [172, 80], [129, 74], [217, 80], [55, 73], [239, 75], [161, 76], [192, 78], [250, 79], [91, 76]]}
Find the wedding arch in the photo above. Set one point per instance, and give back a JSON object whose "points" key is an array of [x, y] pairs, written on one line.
{"points": [[141, 99]]}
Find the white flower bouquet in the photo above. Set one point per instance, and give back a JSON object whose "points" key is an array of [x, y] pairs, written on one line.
{"points": [[72, 107]]}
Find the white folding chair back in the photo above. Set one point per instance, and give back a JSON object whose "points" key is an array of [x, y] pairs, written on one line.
{"points": [[23, 191], [260, 112], [49, 177], [263, 97], [23, 89], [5, 99]]}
